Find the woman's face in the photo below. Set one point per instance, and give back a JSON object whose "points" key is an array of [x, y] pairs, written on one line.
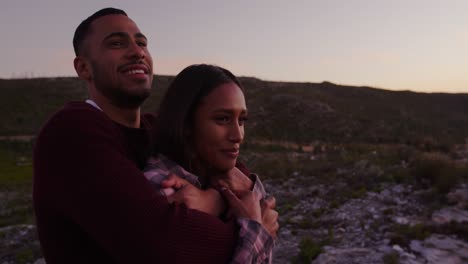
{"points": [[218, 128]]}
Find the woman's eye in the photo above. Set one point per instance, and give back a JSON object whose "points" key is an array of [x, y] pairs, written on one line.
{"points": [[242, 120], [222, 119]]}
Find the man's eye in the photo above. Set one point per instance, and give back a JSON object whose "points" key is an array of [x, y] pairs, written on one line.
{"points": [[142, 43], [116, 44]]}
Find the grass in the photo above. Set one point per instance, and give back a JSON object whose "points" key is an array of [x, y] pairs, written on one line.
{"points": [[27, 255], [403, 234], [15, 183], [438, 170], [15, 164], [391, 258], [308, 251]]}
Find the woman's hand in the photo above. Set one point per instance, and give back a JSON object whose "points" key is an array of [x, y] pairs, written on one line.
{"points": [[269, 215], [243, 204], [234, 179], [247, 205]]}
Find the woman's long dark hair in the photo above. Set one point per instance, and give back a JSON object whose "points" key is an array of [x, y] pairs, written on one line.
{"points": [[175, 114]]}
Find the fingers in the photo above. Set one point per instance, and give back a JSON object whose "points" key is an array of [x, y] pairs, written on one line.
{"points": [[230, 196], [167, 191], [173, 181], [174, 198], [270, 202], [270, 221], [219, 183], [269, 215], [182, 196], [274, 230], [169, 182], [246, 195], [244, 205]]}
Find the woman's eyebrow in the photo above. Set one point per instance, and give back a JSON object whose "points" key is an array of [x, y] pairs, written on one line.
{"points": [[228, 110]]}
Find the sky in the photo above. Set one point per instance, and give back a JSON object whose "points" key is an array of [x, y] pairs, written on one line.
{"points": [[418, 45]]}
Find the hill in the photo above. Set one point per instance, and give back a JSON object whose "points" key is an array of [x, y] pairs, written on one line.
{"points": [[279, 111], [374, 182]]}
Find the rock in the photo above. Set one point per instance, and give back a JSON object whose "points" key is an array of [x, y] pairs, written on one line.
{"points": [[446, 215], [408, 258], [449, 244], [436, 256], [416, 246], [398, 189], [401, 220], [459, 198], [40, 261], [17, 235], [296, 219], [441, 249], [348, 256], [397, 248]]}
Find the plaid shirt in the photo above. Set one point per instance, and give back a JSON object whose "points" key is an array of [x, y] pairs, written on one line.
{"points": [[254, 244]]}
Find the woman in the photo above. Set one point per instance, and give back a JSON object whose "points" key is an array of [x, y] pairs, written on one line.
{"points": [[200, 127]]}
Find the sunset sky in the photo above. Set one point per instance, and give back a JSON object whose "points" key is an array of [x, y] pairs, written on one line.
{"points": [[419, 45]]}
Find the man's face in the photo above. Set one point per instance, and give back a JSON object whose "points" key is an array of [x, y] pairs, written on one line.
{"points": [[121, 66]]}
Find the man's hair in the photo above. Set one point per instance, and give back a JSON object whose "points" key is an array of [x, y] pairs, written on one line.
{"points": [[176, 111], [83, 30]]}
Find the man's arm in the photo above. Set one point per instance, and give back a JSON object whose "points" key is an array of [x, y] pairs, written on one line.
{"points": [[99, 189], [254, 244]]}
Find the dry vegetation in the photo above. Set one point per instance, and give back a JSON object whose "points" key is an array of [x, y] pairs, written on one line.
{"points": [[324, 133]]}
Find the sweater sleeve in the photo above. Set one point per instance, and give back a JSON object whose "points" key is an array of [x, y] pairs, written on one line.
{"points": [[82, 166], [254, 243]]}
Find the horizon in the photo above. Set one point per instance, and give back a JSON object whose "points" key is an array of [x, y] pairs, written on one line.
{"points": [[266, 80], [415, 46]]}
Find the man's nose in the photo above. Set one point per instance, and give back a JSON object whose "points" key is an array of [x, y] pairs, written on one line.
{"points": [[136, 51]]}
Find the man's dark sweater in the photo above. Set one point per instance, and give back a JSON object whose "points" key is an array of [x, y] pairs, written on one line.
{"points": [[93, 204]]}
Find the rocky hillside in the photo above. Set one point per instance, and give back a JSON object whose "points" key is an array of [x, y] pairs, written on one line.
{"points": [[296, 112], [360, 175], [338, 204]]}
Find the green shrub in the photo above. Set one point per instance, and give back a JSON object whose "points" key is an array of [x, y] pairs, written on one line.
{"points": [[391, 258], [27, 255], [438, 170], [309, 250], [403, 234]]}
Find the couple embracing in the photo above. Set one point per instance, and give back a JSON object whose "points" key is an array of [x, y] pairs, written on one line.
{"points": [[114, 185]]}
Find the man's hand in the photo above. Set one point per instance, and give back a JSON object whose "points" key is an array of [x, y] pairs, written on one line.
{"points": [[233, 179], [243, 204], [269, 215], [208, 201], [173, 183]]}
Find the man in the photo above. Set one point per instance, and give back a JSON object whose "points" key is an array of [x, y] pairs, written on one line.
{"points": [[92, 202]]}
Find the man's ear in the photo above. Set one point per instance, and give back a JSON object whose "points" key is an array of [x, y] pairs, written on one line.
{"points": [[82, 68]]}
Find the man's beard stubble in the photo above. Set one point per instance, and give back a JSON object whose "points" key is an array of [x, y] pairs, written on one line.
{"points": [[117, 95]]}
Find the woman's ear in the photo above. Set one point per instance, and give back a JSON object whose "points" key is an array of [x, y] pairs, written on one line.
{"points": [[82, 68]]}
